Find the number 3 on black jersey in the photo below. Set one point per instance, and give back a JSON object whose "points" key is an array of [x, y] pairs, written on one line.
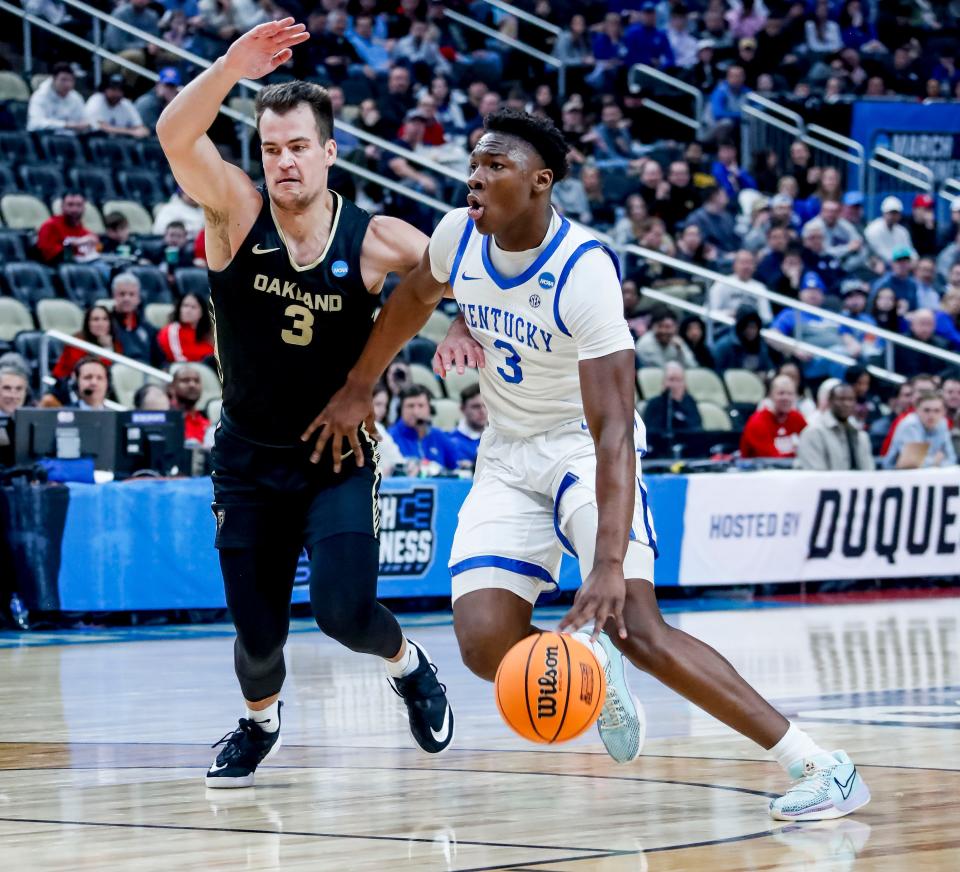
{"points": [[301, 331]]}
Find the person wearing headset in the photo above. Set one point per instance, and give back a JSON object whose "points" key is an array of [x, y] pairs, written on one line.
{"points": [[414, 433], [87, 388]]}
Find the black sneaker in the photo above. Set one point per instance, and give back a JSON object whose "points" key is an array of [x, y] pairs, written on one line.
{"points": [[431, 718], [245, 749]]}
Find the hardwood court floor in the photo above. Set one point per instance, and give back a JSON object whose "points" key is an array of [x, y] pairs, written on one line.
{"points": [[105, 735]]}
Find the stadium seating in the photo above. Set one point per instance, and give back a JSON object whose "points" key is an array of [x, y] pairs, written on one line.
{"points": [[12, 249], [126, 381], [29, 282], [422, 375], [139, 218], [650, 379], [62, 315], [91, 219], [744, 386], [82, 283], [44, 181], [115, 151], [454, 382], [96, 183], [447, 414], [436, 328], [64, 150], [420, 350], [158, 314], [12, 87], [8, 180], [141, 185], [713, 417], [213, 411], [704, 385], [14, 317], [192, 280], [153, 284], [16, 147], [23, 211]]}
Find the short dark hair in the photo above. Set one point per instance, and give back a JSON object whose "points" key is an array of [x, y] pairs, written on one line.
{"points": [[411, 391], [115, 221], [539, 133], [89, 358], [662, 314], [62, 67], [72, 192], [288, 95], [178, 224], [468, 393]]}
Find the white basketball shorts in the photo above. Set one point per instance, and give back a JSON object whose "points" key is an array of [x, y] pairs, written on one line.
{"points": [[532, 499]]}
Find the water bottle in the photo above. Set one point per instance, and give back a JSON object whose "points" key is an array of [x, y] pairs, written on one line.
{"points": [[19, 612]]}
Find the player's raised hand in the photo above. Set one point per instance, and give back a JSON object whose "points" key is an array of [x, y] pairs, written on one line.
{"points": [[264, 48], [458, 350], [340, 420], [600, 598]]}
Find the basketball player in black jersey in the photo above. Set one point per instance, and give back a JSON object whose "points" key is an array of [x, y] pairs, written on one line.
{"points": [[295, 274]]}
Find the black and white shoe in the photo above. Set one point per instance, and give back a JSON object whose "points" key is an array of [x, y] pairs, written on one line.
{"points": [[244, 750], [431, 718]]}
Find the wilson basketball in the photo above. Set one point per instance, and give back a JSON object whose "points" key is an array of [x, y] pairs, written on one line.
{"points": [[550, 688]]}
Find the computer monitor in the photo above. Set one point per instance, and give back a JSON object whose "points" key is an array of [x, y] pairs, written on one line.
{"points": [[122, 442], [151, 441], [66, 434]]}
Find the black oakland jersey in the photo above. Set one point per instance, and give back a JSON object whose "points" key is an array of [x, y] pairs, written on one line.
{"points": [[287, 335]]}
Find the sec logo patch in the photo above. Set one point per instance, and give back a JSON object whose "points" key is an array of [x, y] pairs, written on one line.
{"points": [[534, 301]]}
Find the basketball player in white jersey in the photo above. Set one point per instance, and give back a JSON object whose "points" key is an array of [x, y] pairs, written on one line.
{"points": [[558, 465]]}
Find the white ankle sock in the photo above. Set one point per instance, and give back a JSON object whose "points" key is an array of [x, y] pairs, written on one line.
{"points": [[406, 664], [267, 719], [596, 647], [795, 746]]}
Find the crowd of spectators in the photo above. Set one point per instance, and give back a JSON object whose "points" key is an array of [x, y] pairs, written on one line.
{"points": [[407, 73]]}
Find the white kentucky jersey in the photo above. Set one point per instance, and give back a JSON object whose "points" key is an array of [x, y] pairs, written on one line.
{"points": [[536, 313]]}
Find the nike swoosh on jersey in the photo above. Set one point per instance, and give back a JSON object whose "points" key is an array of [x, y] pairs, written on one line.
{"points": [[443, 733], [467, 278], [258, 250], [848, 784]]}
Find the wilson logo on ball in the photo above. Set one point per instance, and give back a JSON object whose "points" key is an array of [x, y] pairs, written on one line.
{"points": [[547, 701]]}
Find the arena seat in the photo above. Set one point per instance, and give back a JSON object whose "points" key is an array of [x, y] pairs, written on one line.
{"points": [[29, 282], [420, 350], [23, 211], [63, 315], [141, 186], [127, 381], [14, 317], [713, 417], [115, 151], [447, 414], [27, 345], [650, 379], [13, 87], [192, 280], [12, 249], [436, 327], [422, 375], [152, 156], [213, 411], [44, 181], [139, 218], [95, 183], [8, 180], [704, 385], [153, 284], [66, 151], [17, 147], [158, 314], [82, 283], [454, 382], [744, 386]]}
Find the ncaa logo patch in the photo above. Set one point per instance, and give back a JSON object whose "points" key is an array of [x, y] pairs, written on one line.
{"points": [[339, 268], [546, 280], [534, 301]]}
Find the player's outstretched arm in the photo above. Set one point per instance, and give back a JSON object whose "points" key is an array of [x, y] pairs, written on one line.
{"points": [[405, 312], [607, 386], [182, 127]]}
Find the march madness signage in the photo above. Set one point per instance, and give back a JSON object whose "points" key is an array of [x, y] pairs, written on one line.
{"points": [[804, 526]]}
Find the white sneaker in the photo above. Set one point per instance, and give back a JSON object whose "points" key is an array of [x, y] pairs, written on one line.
{"points": [[827, 786], [622, 723]]}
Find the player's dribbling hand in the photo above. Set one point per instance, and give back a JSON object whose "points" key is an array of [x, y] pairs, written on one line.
{"points": [[600, 598], [264, 48], [339, 421], [458, 350]]}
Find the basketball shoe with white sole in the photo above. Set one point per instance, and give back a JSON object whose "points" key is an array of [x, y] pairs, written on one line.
{"points": [[622, 723], [431, 718], [825, 787], [244, 750]]}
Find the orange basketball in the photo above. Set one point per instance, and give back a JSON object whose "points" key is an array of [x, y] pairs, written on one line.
{"points": [[550, 688]]}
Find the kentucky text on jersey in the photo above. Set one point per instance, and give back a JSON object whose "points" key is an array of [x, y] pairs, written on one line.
{"points": [[506, 323], [291, 291]]}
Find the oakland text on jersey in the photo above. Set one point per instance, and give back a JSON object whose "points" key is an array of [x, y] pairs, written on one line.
{"points": [[506, 323], [291, 291]]}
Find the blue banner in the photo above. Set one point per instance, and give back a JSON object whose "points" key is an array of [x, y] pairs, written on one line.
{"points": [[149, 544]]}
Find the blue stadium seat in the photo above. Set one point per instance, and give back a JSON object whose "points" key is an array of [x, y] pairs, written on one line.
{"points": [[119, 152], [83, 284], [16, 147], [152, 156], [12, 248], [141, 186], [192, 280], [153, 284], [44, 181], [96, 183], [29, 282], [8, 180], [65, 150]]}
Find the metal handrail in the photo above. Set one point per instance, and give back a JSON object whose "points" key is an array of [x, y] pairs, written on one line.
{"points": [[842, 147], [204, 63], [772, 120], [695, 122], [529, 17], [774, 297], [97, 351], [773, 107], [768, 334]]}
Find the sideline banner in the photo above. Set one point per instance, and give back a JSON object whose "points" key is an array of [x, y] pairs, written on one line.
{"points": [[804, 526]]}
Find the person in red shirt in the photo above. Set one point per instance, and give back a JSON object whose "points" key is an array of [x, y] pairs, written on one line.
{"points": [[773, 430], [98, 330], [185, 391], [189, 335], [66, 231]]}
